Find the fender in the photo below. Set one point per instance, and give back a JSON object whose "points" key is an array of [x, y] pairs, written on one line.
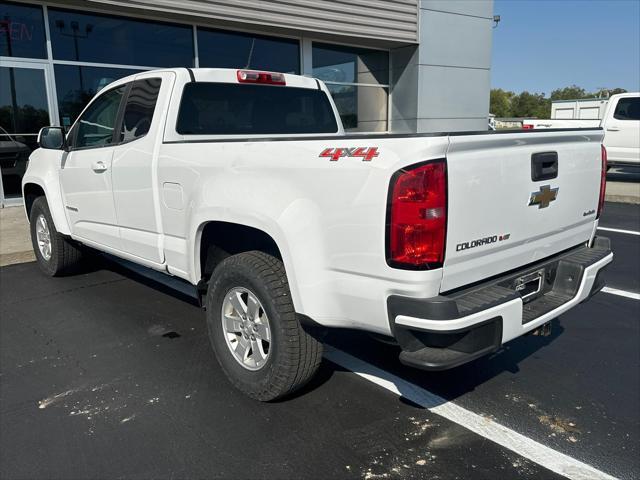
{"points": [[291, 224], [43, 171]]}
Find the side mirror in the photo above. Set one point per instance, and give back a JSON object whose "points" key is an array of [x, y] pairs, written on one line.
{"points": [[52, 138]]}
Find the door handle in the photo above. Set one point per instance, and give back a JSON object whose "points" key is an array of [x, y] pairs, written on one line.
{"points": [[544, 166], [98, 167], [613, 129]]}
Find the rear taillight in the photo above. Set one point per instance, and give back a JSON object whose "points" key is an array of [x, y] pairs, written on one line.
{"points": [[269, 78], [527, 126], [417, 217], [603, 181]]}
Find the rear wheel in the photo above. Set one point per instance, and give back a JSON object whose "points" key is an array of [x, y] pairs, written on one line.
{"points": [[55, 254], [254, 330]]}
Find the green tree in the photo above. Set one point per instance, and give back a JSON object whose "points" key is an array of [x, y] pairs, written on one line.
{"points": [[615, 91], [530, 105], [500, 102], [570, 93]]}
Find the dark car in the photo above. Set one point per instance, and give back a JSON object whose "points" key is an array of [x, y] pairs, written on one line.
{"points": [[14, 157]]}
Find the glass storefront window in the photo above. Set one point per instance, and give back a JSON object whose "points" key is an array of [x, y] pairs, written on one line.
{"points": [[358, 80], [24, 109], [222, 49], [75, 86], [361, 108], [22, 31], [119, 40], [337, 63], [23, 100]]}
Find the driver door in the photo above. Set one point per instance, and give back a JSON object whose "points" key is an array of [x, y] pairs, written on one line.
{"points": [[85, 174]]}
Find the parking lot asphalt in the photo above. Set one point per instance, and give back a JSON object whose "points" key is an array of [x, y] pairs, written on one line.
{"points": [[110, 374]]}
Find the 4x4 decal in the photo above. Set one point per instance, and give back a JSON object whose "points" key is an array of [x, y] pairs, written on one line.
{"points": [[366, 153]]}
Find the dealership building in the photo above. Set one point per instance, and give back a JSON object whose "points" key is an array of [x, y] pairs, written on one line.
{"points": [[391, 65]]}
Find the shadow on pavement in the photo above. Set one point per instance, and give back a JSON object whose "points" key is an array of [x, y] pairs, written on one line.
{"points": [[448, 384]]}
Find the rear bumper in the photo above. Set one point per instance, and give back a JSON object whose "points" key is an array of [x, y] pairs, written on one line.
{"points": [[459, 326]]}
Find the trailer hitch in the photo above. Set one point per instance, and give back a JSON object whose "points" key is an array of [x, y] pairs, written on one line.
{"points": [[543, 330]]}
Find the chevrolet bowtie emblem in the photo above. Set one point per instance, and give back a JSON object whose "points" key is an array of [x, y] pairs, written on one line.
{"points": [[544, 197]]}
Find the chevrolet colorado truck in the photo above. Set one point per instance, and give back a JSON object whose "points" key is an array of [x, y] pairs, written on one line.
{"points": [[245, 185]]}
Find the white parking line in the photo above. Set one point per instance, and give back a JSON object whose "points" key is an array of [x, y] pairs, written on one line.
{"points": [[619, 230], [530, 449], [621, 293]]}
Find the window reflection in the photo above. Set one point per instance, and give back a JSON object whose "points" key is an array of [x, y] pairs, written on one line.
{"points": [[336, 63], [222, 49], [351, 74], [96, 126], [21, 31], [362, 109], [23, 100], [119, 40], [23, 111], [77, 85], [138, 113]]}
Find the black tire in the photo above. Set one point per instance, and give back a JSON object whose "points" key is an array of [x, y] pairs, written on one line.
{"points": [[294, 355], [65, 256]]}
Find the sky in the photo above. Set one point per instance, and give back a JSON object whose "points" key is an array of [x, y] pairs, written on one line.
{"points": [[541, 45]]}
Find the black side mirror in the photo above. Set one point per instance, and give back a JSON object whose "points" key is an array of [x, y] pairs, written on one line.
{"points": [[52, 138]]}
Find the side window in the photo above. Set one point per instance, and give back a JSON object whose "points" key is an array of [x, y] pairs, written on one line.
{"points": [[96, 125], [627, 109], [138, 112]]}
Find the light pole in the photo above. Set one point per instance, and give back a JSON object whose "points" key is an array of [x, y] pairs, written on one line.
{"points": [[12, 79], [76, 34]]}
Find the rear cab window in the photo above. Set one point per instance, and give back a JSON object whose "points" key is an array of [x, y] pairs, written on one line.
{"points": [[210, 108], [627, 109]]}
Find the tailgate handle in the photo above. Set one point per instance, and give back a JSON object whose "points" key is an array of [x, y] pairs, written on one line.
{"points": [[544, 166]]}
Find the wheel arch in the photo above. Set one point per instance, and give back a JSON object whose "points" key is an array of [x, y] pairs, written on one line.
{"points": [[218, 239], [32, 188], [31, 191]]}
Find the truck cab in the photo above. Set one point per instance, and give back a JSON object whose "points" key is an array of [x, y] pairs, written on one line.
{"points": [[621, 124]]}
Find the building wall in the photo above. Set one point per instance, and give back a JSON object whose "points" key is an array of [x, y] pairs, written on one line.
{"points": [[390, 65], [392, 20], [448, 72]]}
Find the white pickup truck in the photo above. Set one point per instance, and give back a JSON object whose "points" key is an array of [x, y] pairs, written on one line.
{"points": [[620, 122], [245, 185]]}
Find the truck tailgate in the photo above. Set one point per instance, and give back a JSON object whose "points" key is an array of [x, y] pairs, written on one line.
{"points": [[506, 208]]}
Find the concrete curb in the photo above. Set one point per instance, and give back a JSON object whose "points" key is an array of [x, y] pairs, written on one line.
{"points": [[17, 257], [622, 199], [623, 192]]}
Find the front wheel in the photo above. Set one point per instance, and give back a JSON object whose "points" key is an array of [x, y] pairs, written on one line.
{"points": [[55, 254], [254, 329]]}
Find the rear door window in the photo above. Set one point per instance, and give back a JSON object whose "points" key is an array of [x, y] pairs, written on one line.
{"points": [[138, 112], [232, 109], [628, 109]]}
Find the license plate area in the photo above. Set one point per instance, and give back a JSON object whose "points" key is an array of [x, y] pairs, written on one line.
{"points": [[529, 286]]}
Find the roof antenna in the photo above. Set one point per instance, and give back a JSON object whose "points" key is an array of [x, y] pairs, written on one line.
{"points": [[253, 42]]}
